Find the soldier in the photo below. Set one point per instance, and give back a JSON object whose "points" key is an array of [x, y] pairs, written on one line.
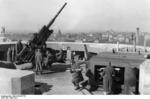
{"points": [[89, 83], [76, 72], [68, 58], [44, 49], [13, 56], [59, 56], [38, 61], [9, 54], [48, 59], [19, 47], [108, 74]]}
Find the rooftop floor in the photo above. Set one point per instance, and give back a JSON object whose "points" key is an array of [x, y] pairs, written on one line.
{"points": [[59, 83]]}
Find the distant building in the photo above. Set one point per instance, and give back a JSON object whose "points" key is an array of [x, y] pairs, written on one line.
{"points": [[105, 37], [3, 37], [127, 40], [110, 38], [80, 41], [3, 30], [121, 38], [96, 41]]}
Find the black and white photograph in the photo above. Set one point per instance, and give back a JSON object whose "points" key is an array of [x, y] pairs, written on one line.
{"points": [[74, 47]]}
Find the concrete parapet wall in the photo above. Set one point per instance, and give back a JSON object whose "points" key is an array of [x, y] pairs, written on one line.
{"points": [[92, 47], [144, 78]]}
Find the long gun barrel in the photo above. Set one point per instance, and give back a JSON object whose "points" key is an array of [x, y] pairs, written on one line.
{"points": [[52, 21], [38, 40], [86, 52]]}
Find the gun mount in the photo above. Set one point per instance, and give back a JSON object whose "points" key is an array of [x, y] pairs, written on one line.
{"points": [[86, 52], [38, 40]]}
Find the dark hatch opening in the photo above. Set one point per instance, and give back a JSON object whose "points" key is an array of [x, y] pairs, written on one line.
{"points": [[118, 80], [2, 55]]}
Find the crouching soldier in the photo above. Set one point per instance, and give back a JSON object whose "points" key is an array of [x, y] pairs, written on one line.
{"points": [[76, 71], [48, 60], [89, 83]]}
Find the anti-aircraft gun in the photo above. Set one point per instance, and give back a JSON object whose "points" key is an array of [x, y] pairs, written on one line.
{"points": [[38, 40]]}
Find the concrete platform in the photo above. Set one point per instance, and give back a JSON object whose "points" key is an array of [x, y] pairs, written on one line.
{"points": [[16, 81], [57, 83], [60, 84]]}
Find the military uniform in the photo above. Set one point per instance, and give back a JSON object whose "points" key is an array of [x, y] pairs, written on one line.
{"points": [[59, 56], [69, 56], [48, 59], [91, 81], [108, 78], [13, 56], [19, 47], [38, 61], [9, 54], [76, 71]]}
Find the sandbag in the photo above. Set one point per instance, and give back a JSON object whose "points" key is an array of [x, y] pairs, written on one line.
{"points": [[7, 64], [24, 66]]}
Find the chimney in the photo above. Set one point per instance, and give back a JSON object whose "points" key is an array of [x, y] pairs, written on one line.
{"points": [[3, 30], [134, 42], [117, 46], [145, 40], [137, 35]]}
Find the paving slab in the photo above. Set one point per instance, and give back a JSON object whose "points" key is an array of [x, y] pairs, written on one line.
{"points": [[60, 83]]}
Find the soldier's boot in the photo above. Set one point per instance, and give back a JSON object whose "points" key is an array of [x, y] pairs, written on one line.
{"points": [[77, 87]]}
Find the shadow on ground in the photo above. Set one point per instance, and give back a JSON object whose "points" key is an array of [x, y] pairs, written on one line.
{"points": [[56, 67], [40, 88], [60, 67]]}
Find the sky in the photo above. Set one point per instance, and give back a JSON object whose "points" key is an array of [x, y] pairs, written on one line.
{"points": [[77, 16]]}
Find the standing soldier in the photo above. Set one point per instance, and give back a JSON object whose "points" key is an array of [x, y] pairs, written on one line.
{"points": [[68, 58], [38, 61], [18, 48], [13, 53], [108, 74], [9, 54], [44, 49]]}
